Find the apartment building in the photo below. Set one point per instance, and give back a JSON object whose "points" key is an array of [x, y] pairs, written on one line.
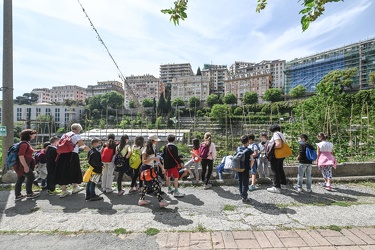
{"points": [[216, 74], [104, 87], [143, 86], [68, 92], [185, 87], [44, 94], [233, 69], [170, 71]]}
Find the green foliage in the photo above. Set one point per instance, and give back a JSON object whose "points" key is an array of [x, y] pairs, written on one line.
{"points": [[26, 98], [132, 104], [177, 12], [298, 91], [372, 78], [147, 103], [238, 111], [152, 231], [250, 98], [178, 102], [212, 100], [162, 105], [220, 112], [194, 102], [230, 98], [273, 95]]}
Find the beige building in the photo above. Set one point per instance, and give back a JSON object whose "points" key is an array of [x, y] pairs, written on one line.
{"points": [[68, 92], [44, 94], [185, 87], [233, 69], [216, 74], [170, 71], [145, 86], [104, 87]]}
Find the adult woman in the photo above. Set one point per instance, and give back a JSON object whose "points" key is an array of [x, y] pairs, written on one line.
{"points": [[277, 164], [208, 161], [68, 169], [24, 168], [124, 149], [325, 160]]}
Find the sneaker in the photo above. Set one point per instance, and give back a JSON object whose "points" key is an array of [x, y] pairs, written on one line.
{"points": [[77, 190], [308, 190], [143, 202], [328, 188], [164, 203], [177, 194], [32, 195], [64, 194], [108, 191], [87, 198], [53, 192], [132, 191], [274, 190], [44, 186], [323, 184], [20, 197], [120, 193], [208, 186], [96, 198], [251, 188], [245, 200], [283, 186], [298, 189]]}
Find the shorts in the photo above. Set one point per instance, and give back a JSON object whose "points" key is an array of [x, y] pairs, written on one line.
{"points": [[172, 172], [254, 168]]}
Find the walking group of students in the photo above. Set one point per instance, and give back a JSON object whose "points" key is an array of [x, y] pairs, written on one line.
{"points": [[141, 162]]}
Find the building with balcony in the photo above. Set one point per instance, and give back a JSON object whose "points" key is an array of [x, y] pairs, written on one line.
{"points": [[216, 74], [44, 94], [170, 71], [185, 87], [68, 92], [104, 87]]}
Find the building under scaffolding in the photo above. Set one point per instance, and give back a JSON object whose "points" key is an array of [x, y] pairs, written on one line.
{"points": [[309, 71]]}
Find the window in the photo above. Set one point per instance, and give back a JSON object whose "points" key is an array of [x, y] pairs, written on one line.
{"points": [[19, 114], [48, 111], [57, 114], [38, 111]]}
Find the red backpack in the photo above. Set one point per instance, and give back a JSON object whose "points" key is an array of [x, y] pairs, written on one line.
{"points": [[65, 144], [203, 151], [107, 154]]}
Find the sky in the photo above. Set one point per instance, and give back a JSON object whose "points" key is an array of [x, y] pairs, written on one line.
{"points": [[54, 44]]}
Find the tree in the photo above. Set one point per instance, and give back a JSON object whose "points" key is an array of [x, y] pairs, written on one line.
{"points": [[372, 78], [220, 112], [212, 100], [298, 91], [311, 10], [26, 98], [132, 104], [250, 98], [194, 102], [112, 99], [162, 108], [178, 102], [147, 103], [335, 81], [273, 95], [230, 98], [199, 71]]}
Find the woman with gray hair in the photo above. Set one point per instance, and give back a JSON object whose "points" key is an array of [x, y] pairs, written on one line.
{"points": [[68, 169]]}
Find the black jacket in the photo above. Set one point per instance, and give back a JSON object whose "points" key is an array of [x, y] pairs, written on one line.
{"points": [[302, 153], [51, 154], [169, 162], [95, 160]]}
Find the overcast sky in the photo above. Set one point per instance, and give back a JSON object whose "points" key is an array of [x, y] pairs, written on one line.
{"points": [[55, 45]]}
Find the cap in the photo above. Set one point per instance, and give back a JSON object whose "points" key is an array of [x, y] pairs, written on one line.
{"points": [[153, 137]]}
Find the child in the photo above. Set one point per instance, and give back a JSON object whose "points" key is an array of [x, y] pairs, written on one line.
{"points": [[41, 165], [226, 163], [134, 172], [124, 149], [325, 160], [183, 171], [108, 153], [243, 177], [263, 169], [195, 160], [207, 159], [95, 161], [51, 166], [304, 165], [254, 166], [171, 162]]}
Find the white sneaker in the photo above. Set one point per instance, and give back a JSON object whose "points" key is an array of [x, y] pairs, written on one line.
{"points": [[274, 190], [308, 190], [77, 189], [64, 194], [177, 194], [143, 202], [299, 190], [283, 186], [164, 203], [109, 191]]}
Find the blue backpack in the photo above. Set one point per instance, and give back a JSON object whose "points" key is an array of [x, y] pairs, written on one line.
{"points": [[311, 153], [12, 156]]}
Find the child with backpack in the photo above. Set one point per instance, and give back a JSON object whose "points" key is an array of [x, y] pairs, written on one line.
{"points": [[124, 151], [254, 167], [135, 161], [108, 153], [195, 160], [304, 164], [41, 165], [226, 163], [263, 162], [207, 152], [51, 155], [247, 160], [325, 160], [172, 164], [95, 161]]}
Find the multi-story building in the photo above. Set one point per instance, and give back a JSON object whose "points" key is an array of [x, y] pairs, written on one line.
{"points": [[145, 86], [185, 87], [68, 92], [105, 87], [242, 82], [44, 94], [61, 115], [233, 69], [216, 75], [309, 71], [170, 71]]}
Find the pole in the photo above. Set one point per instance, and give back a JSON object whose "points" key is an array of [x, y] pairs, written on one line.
{"points": [[7, 88]]}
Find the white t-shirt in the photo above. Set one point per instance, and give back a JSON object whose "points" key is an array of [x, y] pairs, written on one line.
{"points": [[325, 146], [75, 139], [278, 136]]}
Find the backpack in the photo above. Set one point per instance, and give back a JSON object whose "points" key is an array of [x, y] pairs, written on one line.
{"points": [[269, 150], [40, 157], [121, 162], [12, 156], [238, 161], [311, 153], [107, 154], [258, 148], [65, 144], [135, 159], [203, 151]]}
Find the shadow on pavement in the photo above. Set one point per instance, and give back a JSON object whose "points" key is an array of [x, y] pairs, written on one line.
{"points": [[353, 192], [22, 207], [170, 216], [270, 208], [226, 194], [191, 199], [4, 196]]}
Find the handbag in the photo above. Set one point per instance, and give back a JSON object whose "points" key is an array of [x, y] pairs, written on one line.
{"points": [[87, 175], [284, 151], [148, 173], [178, 165]]}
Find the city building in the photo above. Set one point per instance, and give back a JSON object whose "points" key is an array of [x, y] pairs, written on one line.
{"points": [[233, 69], [216, 75], [144, 86], [309, 71], [170, 71], [185, 87], [68, 92], [44, 94], [104, 87], [61, 115]]}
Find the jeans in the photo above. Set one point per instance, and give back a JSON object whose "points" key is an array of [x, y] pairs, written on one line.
{"points": [[243, 182], [196, 166], [90, 190], [107, 177], [210, 164], [29, 183], [263, 168], [254, 168], [302, 170], [277, 167]]}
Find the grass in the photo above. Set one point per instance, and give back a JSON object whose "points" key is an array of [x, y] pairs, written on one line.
{"points": [[121, 230], [152, 231], [229, 207], [34, 209], [201, 228]]}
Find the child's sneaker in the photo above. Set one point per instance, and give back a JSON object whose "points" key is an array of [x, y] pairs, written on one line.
{"points": [[143, 202], [96, 198], [177, 194], [308, 190], [328, 188], [20, 197], [32, 195], [208, 186], [299, 190], [164, 203], [120, 193], [64, 194], [55, 192], [246, 200], [170, 190], [77, 190], [274, 190], [323, 184], [283, 186], [251, 188]]}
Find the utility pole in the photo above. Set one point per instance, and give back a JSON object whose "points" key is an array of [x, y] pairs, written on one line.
{"points": [[7, 88]]}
